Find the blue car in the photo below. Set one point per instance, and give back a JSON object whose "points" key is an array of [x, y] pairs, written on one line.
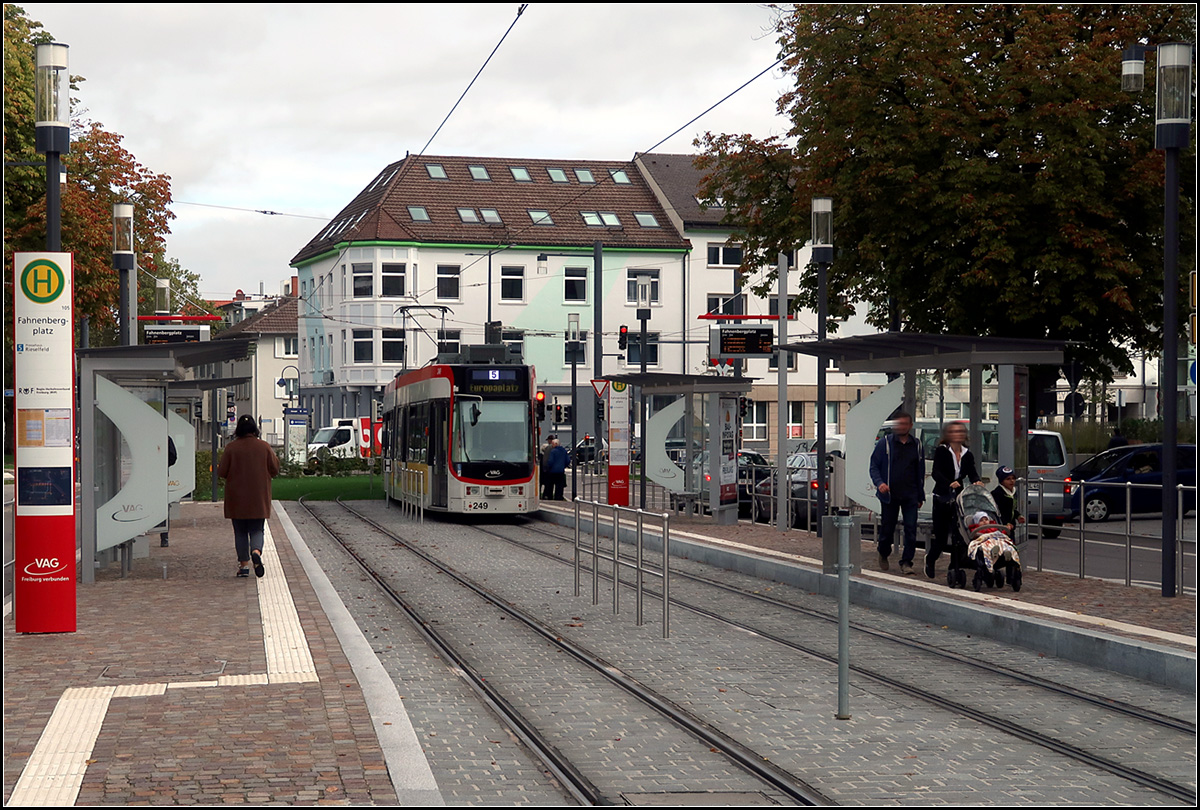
{"points": [[1104, 473]]}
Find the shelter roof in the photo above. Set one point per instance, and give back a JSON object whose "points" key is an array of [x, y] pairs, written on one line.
{"points": [[910, 351], [187, 355], [661, 382]]}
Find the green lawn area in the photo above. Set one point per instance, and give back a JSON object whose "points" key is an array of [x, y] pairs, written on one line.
{"points": [[328, 487]]}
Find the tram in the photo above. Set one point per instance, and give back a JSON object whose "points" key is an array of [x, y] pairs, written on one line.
{"points": [[461, 438]]}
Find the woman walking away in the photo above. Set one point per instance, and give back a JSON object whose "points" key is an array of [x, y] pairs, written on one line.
{"points": [[953, 463], [248, 464]]}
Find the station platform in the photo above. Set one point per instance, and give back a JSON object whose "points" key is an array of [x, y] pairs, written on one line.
{"points": [[187, 685]]}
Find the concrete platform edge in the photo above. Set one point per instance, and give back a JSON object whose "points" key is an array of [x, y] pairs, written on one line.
{"points": [[1138, 659], [412, 778]]}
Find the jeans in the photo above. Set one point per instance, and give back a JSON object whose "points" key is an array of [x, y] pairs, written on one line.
{"points": [[889, 512], [247, 535]]}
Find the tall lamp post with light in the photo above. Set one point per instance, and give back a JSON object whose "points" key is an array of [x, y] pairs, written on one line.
{"points": [[52, 136], [282, 383], [1172, 132], [125, 262], [822, 257]]}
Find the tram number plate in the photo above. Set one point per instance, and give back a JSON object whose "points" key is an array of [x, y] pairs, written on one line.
{"points": [[474, 506]]}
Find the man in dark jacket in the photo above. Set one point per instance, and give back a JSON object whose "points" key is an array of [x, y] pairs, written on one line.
{"points": [[898, 474], [556, 469]]}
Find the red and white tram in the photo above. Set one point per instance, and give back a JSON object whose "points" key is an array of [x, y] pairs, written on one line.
{"points": [[462, 439]]}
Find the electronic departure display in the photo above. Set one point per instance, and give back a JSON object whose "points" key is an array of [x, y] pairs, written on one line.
{"points": [[486, 381], [741, 341]]}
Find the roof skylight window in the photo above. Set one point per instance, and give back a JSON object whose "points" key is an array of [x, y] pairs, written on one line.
{"points": [[490, 216], [540, 216], [557, 176], [468, 215], [418, 213], [520, 174], [610, 219], [645, 219], [591, 218], [619, 177], [436, 171], [584, 176], [479, 172]]}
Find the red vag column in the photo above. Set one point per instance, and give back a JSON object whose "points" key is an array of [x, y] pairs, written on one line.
{"points": [[44, 526], [619, 444]]}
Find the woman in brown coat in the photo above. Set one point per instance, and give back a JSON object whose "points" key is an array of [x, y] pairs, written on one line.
{"points": [[248, 465]]}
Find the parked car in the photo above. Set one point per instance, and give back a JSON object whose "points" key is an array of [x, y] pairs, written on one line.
{"points": [[1101, 495], [802, 475], [585, 450]]}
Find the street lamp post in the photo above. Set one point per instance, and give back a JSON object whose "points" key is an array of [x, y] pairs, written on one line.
{"points": [[282, 383], [1172, 129], [644, 287], [124, 263], [53, 129], [822, 257]]}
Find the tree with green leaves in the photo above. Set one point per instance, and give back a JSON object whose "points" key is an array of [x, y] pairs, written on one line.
{"points": [[988, 175]]}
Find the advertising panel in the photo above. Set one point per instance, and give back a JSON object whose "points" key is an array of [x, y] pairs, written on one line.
{"points": [[44, 372]]}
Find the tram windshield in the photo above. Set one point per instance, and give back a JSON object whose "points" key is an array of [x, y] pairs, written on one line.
{"points": [[490, 430]]}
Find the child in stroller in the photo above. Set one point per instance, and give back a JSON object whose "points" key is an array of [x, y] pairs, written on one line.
{"points": [[988, 545]]}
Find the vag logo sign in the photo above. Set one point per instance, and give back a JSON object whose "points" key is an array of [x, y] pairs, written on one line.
{"points": [[44, 567], [42, 281], [129, 513]]}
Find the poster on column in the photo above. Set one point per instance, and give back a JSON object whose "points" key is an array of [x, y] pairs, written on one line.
{"points": [[618, 444], [44, 378]]}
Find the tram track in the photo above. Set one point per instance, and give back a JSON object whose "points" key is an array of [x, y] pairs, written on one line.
{"points": [[575, 782], [1006, 725]]}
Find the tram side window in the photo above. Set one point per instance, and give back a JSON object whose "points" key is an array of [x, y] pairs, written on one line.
{"points": [[417, 445]]}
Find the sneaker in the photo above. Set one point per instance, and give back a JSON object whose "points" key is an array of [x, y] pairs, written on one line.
{"points": [[243, 572], [883, 562], [256, 559], [905, 567], [929, 570]]}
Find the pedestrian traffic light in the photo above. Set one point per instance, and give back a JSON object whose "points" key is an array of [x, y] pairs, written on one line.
{"points": [[568, 413], [623, 337], [558, 414], [540, 404]]}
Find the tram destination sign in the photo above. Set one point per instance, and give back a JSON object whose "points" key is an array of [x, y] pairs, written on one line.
{"points": [[736, 341]]}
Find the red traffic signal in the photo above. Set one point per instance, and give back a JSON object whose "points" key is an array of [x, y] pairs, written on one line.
{"points": [[623, 337]]}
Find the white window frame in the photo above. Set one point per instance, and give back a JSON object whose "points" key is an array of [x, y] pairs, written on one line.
{"points": [[575, 276], [390, 337], [631, 279], [652, 341], [511, 273], [456, 275], [385, 274], [361, 337], [723, 258]]}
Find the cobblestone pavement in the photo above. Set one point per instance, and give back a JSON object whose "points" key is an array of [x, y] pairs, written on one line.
{"points": [[290, 743]]}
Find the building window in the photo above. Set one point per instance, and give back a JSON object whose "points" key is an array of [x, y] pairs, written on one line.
{"points": [[633, 354], [720, 255], [447, 281], [540, 216], [773, 362], [584, 176], [795, 420], [289, 390], [514, 339], [754, 427], [557, 176], [619, 177], [579, 354], [575, 284], [600, 219], [512, 283], [720, 304], [364, 284], [591, 218], [646, 219], [490, 216], [448, 340], [435, 171], [290, 346], [364, 346], [520, 174], [391, 279], [468, 215], [479, 172], [631, 284], [418, 213], [393, 346]]}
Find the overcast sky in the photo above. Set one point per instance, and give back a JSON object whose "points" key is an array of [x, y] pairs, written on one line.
{"points": [[295, 108]]}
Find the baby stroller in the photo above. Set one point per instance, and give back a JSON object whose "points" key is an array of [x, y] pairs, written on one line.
{"points": [[988, 546]]}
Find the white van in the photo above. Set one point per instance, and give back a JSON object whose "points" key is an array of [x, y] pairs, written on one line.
{"points": [[339, 440]]}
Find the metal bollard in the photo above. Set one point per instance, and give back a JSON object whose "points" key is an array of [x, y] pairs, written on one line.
{"points": [[595, 553], [577, 548], [638, 571], [616, 569], [666, 574], [843, 522]]}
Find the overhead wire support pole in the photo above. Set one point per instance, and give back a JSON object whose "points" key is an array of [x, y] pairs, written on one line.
{"points": [[781, 494]]}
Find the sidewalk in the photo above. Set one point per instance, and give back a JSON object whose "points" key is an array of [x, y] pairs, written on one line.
{"points": [[185, 684]]}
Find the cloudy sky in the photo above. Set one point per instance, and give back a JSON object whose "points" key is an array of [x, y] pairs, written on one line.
{"points": [[295, 108]]}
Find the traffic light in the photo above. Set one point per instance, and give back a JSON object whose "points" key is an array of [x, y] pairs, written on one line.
{"points": [[599, 410], [567, 413], [558, 414], [744, 406], [539, 400], [623, 337]]}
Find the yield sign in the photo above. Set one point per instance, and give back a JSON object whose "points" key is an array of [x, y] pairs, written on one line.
{"points": [[601, 387]]}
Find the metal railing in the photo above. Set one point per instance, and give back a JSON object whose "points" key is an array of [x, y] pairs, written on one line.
{"points": [[412, 493], [1097, 530], [638, 518], [764, 503]]}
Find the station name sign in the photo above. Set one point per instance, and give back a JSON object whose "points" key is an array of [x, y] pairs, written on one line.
{"points": [[736, 341]]}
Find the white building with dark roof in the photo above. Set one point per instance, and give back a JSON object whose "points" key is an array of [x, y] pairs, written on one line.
{"points": [[436, 246]]}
